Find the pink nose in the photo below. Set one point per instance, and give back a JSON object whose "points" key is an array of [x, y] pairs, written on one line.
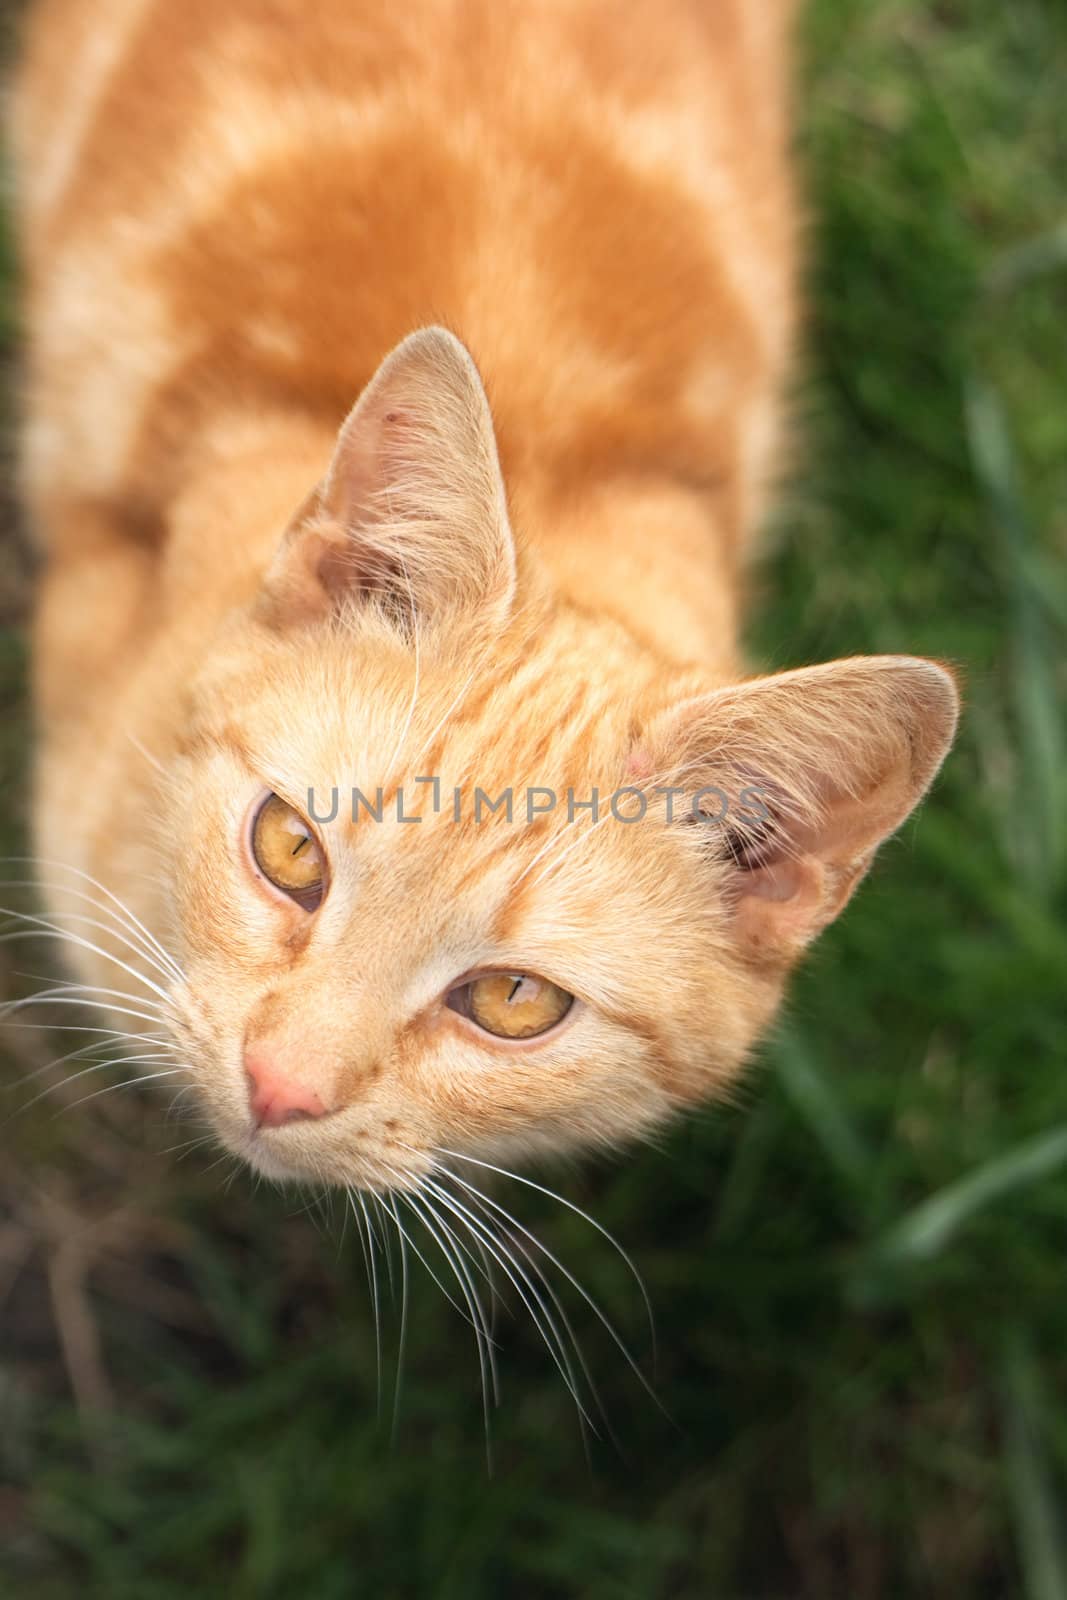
{"points": [[276, 1099]]}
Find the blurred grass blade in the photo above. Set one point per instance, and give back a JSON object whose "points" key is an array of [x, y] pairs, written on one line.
{"points": [[926, 1231], [812, 1096], [1037, 1500], [1034, 830], [747, 1170]]}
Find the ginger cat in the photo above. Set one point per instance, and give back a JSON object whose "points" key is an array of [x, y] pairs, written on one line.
{"points": [[299, 539]]}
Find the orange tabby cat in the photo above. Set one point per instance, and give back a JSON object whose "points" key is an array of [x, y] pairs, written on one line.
{"points": [[240, 222]]}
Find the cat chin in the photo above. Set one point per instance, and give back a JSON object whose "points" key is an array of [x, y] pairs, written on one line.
{"points": [[273, 1165], [277, 1157]]}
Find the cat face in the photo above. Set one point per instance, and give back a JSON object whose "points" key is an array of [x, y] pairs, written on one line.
{"points": [[374, 978], [346, 969]]}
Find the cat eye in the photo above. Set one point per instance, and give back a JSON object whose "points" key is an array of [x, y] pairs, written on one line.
{"points": [[288, 853], [511, 1005]]}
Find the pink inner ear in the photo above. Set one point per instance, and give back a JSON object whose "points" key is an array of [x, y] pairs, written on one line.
{"points": [[345, 567], [780, 908], [639, 763], [337, 567]]}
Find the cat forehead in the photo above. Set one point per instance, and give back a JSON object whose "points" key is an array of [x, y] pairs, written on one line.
{"points": [[344, 713]]}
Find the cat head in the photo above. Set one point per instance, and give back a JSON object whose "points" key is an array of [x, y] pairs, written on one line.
{"points": [[459, 867]]}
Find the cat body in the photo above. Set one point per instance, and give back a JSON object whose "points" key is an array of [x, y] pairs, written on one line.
{"points": [[235, 219]]}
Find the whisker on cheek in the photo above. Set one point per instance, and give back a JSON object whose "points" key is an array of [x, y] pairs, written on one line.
{"points": [[76, 1000], [112, 905], [112, 1040], [111, 1088], [98, 1066], [31, 926], [188, 1146]]}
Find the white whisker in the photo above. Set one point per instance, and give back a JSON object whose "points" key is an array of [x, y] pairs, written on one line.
{"points": [[61, 990], [526, 1289], [451, 1248], [453, 1302], [96, 1066], [122, 907], [375, 1295], [515, 1244], [114, 1038], [137, 936], [73, 1000], [569, 1205], [78, 1027], [483, 1340], [152, 760], [42, 928], [388, 1205], [130, 1083], [571, 1279], [187, 1146]]}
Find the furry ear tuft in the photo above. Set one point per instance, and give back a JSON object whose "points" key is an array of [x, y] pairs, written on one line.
{"points": [[411, 516], [818, 767]]}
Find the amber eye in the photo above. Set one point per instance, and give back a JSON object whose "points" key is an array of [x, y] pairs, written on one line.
{"points": [[288, 853], [512, 1005]]}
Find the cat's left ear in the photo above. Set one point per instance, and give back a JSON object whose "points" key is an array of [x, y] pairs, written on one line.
{"points": [[796, 779], [411, 516]]}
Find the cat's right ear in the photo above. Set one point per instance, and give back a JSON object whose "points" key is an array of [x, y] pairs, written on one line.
{"points": [[411, 516]]}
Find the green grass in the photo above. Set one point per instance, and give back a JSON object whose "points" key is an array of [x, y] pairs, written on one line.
{"points": [[859, 1275]]}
